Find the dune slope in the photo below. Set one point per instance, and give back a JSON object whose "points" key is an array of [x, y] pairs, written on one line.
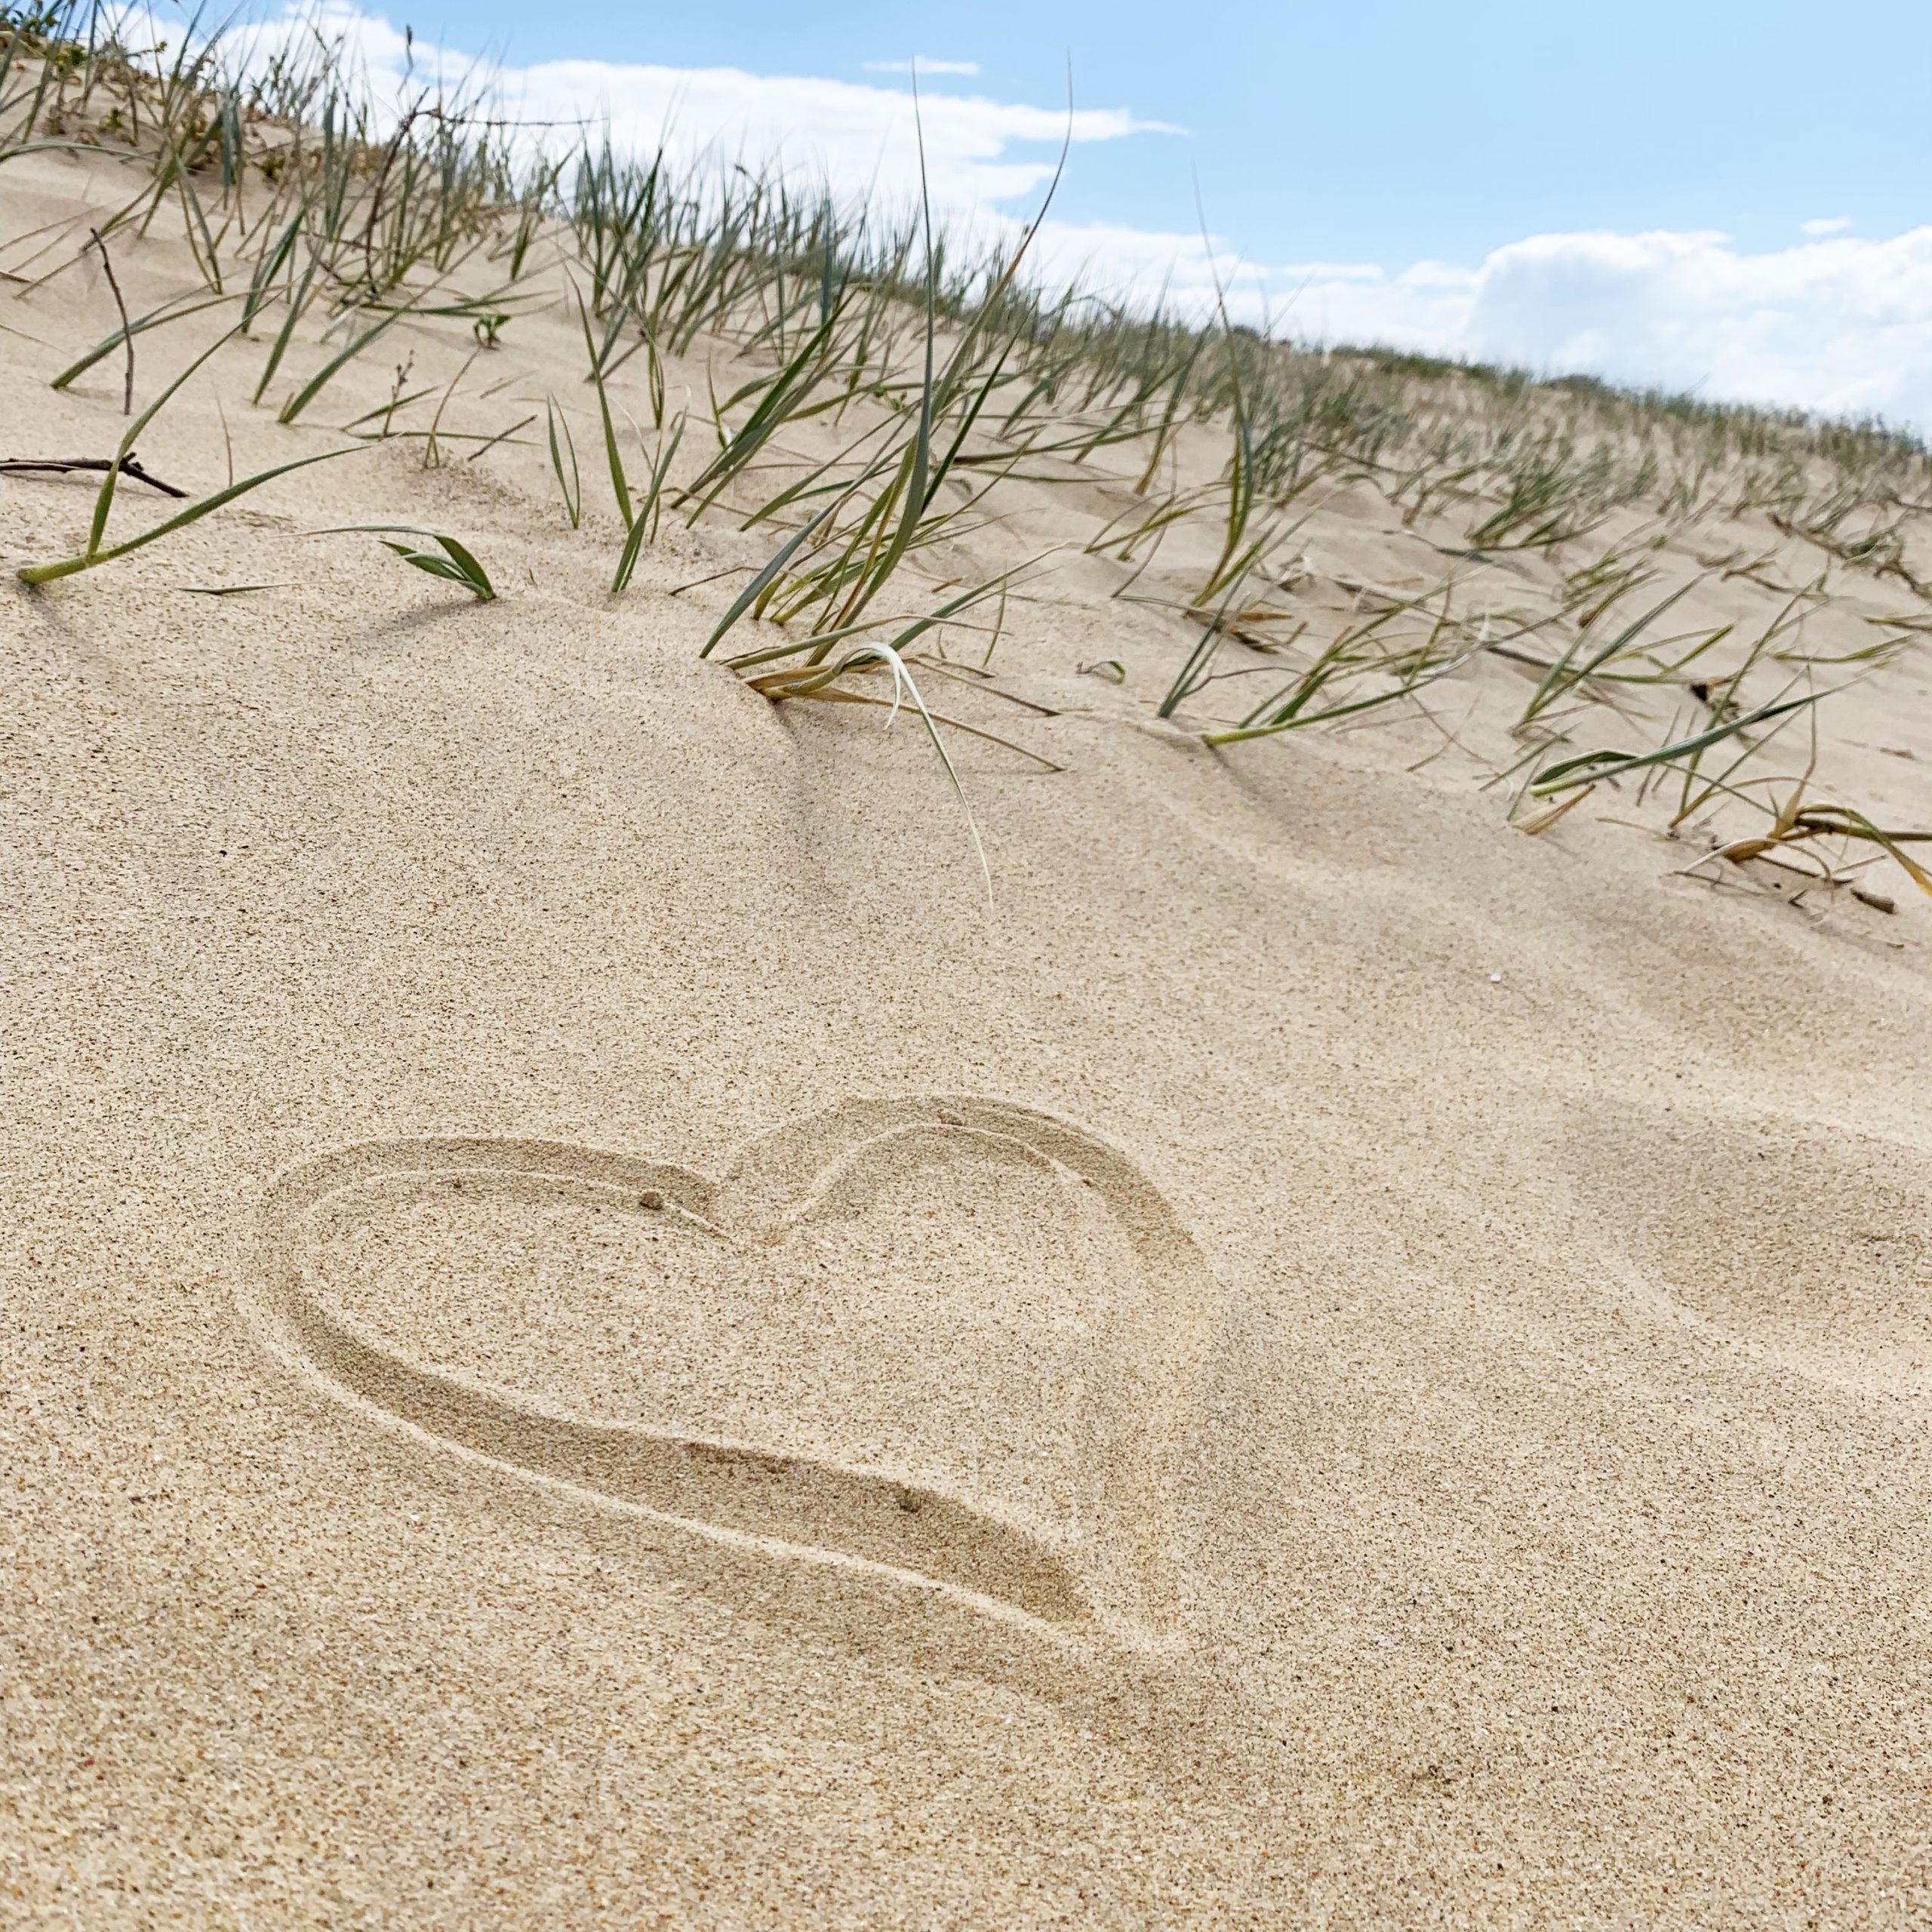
{"points": [[594, 1334]]}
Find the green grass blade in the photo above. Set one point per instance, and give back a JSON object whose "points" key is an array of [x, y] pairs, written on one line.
{"points": [[646, 514], [270, 267], [1594, 765], [327, 374], [104, 501], [458, 564], [748, 596], [572, 486], [168, 312], [1302, 720], [298, 304], [46, 573], [614, 456]]}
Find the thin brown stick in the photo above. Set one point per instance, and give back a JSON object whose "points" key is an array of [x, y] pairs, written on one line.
{"points": [[499, 437], [981, 682], [58, 466], [773, 687], [127, 328]]}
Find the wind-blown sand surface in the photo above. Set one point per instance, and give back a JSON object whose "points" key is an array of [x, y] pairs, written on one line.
{"points": [[591, 1338]]}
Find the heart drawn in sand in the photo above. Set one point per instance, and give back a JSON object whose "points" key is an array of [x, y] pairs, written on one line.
{"points": [[946, 1340]]}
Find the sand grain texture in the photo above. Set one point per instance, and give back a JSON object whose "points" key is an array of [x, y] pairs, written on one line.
{"points": [[1322, 1363]]}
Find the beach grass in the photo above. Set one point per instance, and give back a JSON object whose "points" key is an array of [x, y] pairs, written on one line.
{"points": [[893, 391]]}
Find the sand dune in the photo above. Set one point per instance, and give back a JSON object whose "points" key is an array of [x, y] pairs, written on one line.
{"points": [[594, 1337]]}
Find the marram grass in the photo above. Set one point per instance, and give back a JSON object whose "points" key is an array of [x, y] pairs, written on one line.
{"points": [[944, 374]]}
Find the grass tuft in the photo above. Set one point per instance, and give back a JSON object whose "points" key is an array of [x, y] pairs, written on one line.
{"points": [[456, 564]]}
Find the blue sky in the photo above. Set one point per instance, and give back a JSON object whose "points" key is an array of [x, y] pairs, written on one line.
{"points": [[1387, 131], [1624, 189]]}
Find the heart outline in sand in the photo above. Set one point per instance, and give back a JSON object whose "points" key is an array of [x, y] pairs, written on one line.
{"points": [[785, 1505]]}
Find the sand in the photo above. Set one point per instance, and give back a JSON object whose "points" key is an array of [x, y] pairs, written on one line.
{"points": [[593, 1338]]}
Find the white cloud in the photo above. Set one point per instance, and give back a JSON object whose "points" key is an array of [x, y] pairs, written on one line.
{"points": [[1831, 224], [1840, 325], [1835, 323], [920, 64], [860, 139], [1843, 326]]}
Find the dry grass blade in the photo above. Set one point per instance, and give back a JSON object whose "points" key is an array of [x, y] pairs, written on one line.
{"points": [[818, 683], [778, 685], [1797, 821]]}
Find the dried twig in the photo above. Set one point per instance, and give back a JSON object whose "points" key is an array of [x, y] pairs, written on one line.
{"points": [[59, 466], [499, 437], [127, 328]]}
